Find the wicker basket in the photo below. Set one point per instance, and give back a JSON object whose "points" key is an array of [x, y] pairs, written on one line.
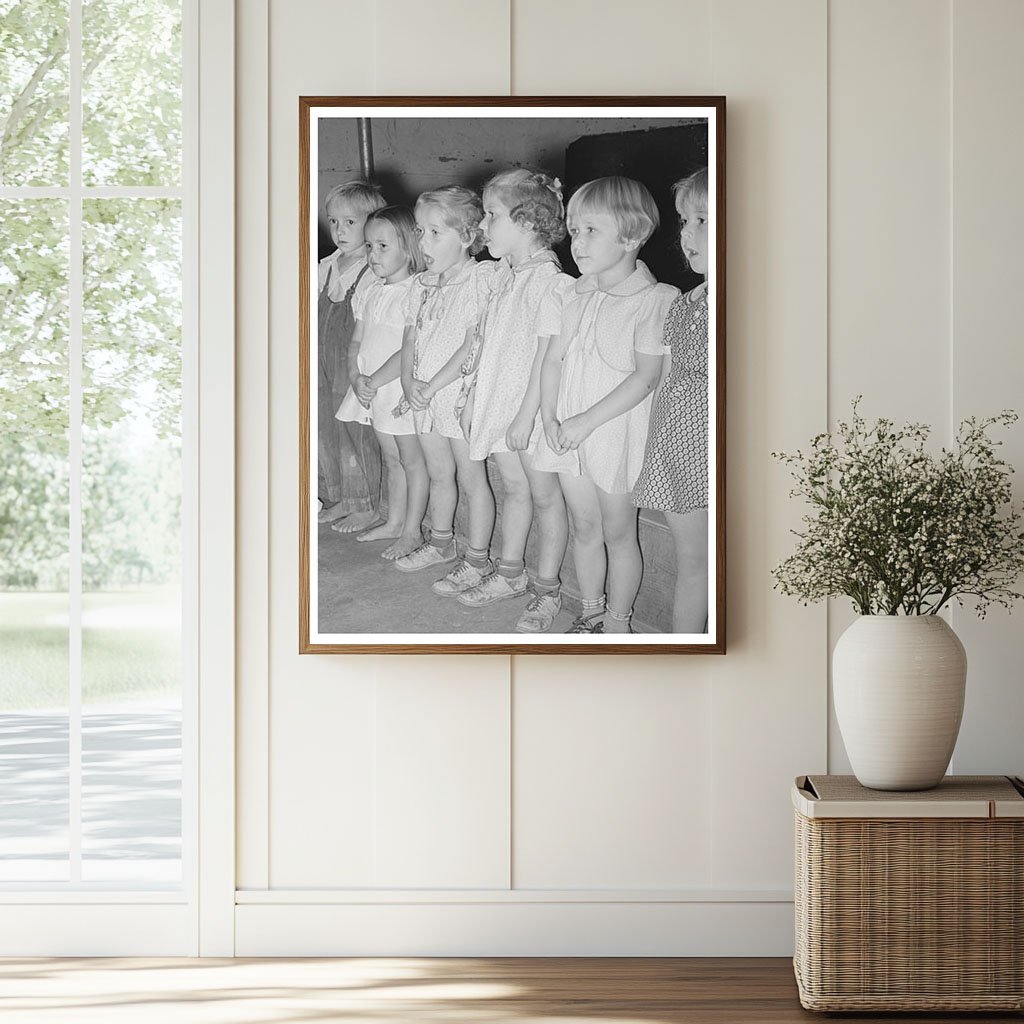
{"points": [[910, 901]]}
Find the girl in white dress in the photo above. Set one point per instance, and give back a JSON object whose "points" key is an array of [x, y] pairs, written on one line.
{"points": [[393, 254], [596, 387], [523, 218], [441, 316]]}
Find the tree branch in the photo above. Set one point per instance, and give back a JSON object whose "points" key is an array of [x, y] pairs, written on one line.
{"points": [[58, 46]]}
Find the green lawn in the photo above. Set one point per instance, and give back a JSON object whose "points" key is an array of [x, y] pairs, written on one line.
{"points": [[130, 647]]}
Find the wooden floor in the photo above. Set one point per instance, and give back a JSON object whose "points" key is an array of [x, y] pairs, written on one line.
{"points": [[383, 991]]}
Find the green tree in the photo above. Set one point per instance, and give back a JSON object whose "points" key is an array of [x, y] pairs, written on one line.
{"points": [[131, 364]]}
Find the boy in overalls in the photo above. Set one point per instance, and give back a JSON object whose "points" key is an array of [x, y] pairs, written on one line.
{"points": [[348, 456]]}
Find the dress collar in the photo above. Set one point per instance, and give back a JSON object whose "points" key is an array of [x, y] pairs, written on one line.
{"points": [[432, 280], [640, 280], [538, 259]]}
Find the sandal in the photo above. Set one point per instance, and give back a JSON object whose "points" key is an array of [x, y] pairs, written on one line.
{"points": [[593, 623]]}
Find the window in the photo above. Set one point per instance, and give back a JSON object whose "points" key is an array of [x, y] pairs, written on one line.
{"points": [[96, 470]]}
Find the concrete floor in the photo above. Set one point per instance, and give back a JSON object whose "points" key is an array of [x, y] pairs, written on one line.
{"points": [[359, 592]]}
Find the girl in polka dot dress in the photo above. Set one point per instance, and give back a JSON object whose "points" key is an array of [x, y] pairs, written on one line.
{"points": [[675, 473], [596, 385]]}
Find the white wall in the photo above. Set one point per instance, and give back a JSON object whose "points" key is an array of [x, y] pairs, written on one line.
{"points": [[558, 805]]}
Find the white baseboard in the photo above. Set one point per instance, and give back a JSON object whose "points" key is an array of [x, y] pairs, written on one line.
{"points": [[521, 928], [97, 929]]}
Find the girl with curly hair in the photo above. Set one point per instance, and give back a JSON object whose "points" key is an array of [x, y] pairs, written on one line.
{"points": [[523, 218]]}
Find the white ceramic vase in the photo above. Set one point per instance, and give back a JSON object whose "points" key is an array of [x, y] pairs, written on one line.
{"points": [[898, 684]]}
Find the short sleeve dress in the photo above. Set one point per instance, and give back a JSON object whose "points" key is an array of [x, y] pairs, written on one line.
{"points": [[524, 305], [381, 309], [605, 329], [675, 473], [442, 314]]}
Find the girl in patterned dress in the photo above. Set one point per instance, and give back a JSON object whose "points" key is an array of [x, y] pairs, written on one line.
{"points": [[596, 386], [393, 254], [442, 312], [675, 474], [523, 218]]}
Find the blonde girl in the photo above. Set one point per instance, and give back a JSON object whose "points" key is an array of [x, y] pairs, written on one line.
{"points": [[442, 312], [393, 254], [523, 219], [675, 473], [596, 386]]}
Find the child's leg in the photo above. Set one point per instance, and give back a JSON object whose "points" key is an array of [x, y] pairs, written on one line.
{"points": [[392, 526], [552, 522], [690, 533], [552, 537], [625, 564], [437, 454], [417, 489], [510, 579], [588, 552], [440, 548], [472, 477], [516, 506]]}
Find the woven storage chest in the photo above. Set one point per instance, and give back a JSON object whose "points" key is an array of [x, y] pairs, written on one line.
{"points": [[910, 901]]}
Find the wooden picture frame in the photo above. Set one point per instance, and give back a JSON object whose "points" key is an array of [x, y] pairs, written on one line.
{"points": [[353, 601]]}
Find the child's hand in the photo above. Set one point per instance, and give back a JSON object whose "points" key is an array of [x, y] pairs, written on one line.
{"points": [[517, 437], [420, 394], [364, 390], [552, 428], [573, 432]]}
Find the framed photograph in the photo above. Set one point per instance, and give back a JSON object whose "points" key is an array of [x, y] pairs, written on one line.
{"points": [[512, 375]]}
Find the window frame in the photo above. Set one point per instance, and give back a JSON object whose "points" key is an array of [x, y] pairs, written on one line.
{"points": [[75, 918]]}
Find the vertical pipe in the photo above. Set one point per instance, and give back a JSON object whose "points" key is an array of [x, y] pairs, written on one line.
{"points": [[365, 148]]}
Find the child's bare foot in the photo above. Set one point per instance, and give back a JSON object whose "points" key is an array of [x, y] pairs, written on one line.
{"points": [[355, 522], [382, 531], [330, 513], [402, 546]]}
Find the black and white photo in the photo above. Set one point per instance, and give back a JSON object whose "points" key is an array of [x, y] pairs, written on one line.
{"points": [[512, 375]]}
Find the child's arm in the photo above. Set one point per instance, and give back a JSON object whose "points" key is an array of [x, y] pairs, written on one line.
{"points": [[550, 378], [407, 359], [386, 372], [450, 372], [353, 352], [517, 437], [623, 397]]}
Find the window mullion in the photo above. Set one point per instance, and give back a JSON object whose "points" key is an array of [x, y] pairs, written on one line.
{"points": [[75, 334]]}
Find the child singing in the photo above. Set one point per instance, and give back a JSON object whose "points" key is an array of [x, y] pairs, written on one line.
{"points": [[442, 313]]}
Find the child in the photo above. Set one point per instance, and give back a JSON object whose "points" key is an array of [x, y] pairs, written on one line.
{"points": [[393, 254], [523, 218], [348, 459], [596, 385], [675, 474], [442, 312]]}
